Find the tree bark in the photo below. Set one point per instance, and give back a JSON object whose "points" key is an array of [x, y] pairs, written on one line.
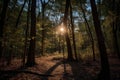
{"points": [[9, 57], [2, 23], [115, 25], [105, 71], [89, 32], [43, 27], [20, 13], [26, 33], [69, 48], [73, 34], [31, 53]]}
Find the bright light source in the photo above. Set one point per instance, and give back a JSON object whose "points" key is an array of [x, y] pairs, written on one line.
{"points": [[62, 29]]}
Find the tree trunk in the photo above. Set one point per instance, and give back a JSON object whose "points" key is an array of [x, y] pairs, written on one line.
{"points": [[26, 33], [73, 34], [59, 43], [89, 32], [115, 26], [69, 48], [44, 3], [31, 53], [105, 71], [20, 13], [118, 26], [116, 43], [43, 30], [2, 23], [9, 57], [99, 9]]}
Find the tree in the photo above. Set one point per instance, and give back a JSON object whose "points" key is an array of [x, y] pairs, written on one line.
{"points": [[105, 71], [113, 12], [17, 21], [115, 25], [44, 3], [31, 53], [73, 34], [69, 48], [26, 33], [2, 22], [88, 30]]}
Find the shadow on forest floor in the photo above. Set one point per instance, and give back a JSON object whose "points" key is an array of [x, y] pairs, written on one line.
{"points": [[54, 68], [7, 74], [71, 71]]}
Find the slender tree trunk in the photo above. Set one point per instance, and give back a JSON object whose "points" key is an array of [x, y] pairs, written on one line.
{"points": [[16, 25], [44, 3], [115, 6], [99, 9], [59, 44], [43, 30], [118, 26], [26, 33], [2, 23], [116, 43], [105, 71], [73, 34], [9, 57], [69, 48], [31, 53], [89, 32]]}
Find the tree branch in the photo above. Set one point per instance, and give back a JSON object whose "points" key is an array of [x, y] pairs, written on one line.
{"points": [[20, 14]]}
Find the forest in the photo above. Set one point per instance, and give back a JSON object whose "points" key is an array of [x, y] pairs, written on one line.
{"points": [[59, 39]]}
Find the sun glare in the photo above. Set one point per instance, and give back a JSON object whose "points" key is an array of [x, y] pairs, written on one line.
{"points": [[62, 29]]}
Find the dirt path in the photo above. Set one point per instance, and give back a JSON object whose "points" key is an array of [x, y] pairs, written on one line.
{"points": [[54, 65]]}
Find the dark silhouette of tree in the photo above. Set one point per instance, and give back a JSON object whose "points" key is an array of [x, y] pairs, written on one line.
{"points": [[20, 13], [2, 22], [26, 33], [31, 53], [105, 71], [88, 31], [73, 34], [113, 7], [115, 25], [9, 57], [69, 48], [44, 3]]}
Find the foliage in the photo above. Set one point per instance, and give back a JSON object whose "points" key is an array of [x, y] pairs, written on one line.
{"points": [[53, 17]]}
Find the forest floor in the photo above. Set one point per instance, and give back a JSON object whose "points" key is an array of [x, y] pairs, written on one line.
{"points": [[52, 67]]}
